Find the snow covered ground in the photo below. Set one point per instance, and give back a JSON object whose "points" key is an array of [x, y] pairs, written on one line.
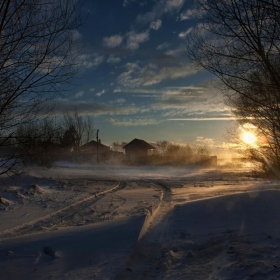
{"points": [[113, 222]]}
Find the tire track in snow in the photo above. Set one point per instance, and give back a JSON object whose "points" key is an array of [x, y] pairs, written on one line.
{"points": [[56, 217], [149, 255]]}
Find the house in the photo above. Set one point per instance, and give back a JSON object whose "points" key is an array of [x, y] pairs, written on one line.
{"points": [[88, 152], [138, 149], [91, 148]]}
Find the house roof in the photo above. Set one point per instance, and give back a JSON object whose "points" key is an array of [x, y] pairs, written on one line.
{"points": [[93, 144], [138, 144]]}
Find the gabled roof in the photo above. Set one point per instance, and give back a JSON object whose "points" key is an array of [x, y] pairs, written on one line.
{"points": [[138, 144], [93, 144]]}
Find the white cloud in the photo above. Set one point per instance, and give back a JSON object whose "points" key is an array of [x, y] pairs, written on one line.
{"points": [[113, 59], [136, 76], [161, 7], [163, 46], [183, 35], [169, 73], [201, 102], [112, 41], [90, 60], [84, 59], [79, 94], [133, 121], [125, 77], [205, 118], [100, 93], [188, 14], [97, 60], [171, 5], [155, 24], [134, 39], [148, 17], [92, 89], [142, 91], [118, 101], [176, 52]]}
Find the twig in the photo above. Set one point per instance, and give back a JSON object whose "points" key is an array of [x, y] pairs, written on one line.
{"points": [[267, 235]]}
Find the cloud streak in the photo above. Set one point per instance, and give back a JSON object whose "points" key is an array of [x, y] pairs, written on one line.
{"points": [[150, 74], [183, 35], [134, 122], [160, 8], [100, 93], [92, 108], [188, 14], [205, 118]]}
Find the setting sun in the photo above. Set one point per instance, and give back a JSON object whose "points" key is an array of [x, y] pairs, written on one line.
{"points": [[248, 137]]}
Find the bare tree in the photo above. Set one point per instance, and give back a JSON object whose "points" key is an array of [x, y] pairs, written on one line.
{"points": [[47, 140], [239, 42], [89, 129], [40, 142], [37, 61], [83, 125]]}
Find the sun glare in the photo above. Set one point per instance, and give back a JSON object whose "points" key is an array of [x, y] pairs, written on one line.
{"points": [[248, 137]]}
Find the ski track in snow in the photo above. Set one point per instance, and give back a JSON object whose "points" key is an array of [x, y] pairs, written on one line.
{"points": [[52, 220]]}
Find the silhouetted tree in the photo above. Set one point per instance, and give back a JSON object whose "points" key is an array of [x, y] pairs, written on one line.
{"points": [[83, 125], [40, 142], [238, 41], [37, 61], [70, 138]]}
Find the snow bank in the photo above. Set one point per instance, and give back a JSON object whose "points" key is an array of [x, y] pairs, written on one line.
{"points": [[88, 252], [149, 217], [228, 237]]}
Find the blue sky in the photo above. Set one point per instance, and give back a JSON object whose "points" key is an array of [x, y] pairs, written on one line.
{"points": [[136, 80]]}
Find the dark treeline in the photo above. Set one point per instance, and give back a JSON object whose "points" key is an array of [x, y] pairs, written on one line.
{"points": [[50, 139]]}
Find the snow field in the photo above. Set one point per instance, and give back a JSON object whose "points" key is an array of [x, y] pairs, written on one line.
{"points": [[139, 223]]}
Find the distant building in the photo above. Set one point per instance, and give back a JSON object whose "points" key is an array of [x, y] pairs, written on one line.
{"points": [[91, 148], [138, 149]]}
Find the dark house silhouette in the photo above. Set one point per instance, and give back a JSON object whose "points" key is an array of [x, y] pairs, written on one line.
{"points": [[91, 148], [137, 149]]}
